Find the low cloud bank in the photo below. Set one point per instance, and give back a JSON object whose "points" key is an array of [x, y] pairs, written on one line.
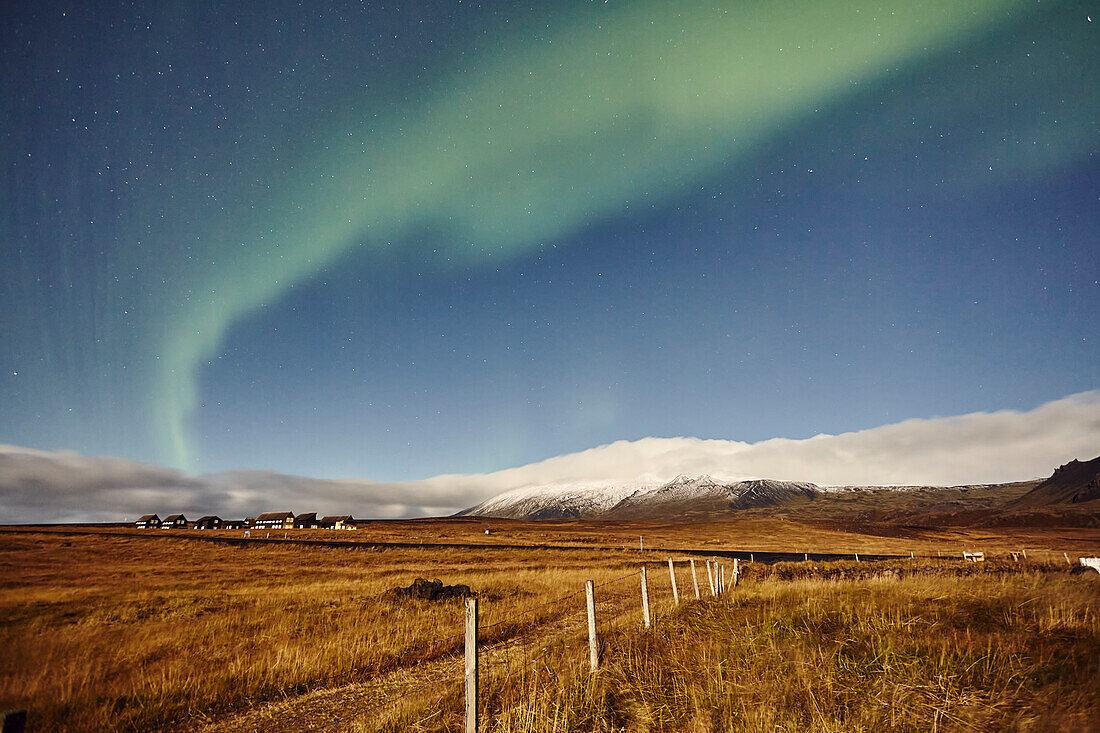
{"points": [[62, 486]]}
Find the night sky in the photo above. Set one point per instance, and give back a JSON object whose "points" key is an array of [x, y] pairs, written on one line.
{"points": [[397, 240]]}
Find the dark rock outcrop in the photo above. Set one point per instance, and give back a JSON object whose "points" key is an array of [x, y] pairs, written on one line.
{"points": [[431, 590], [1074, 483]]}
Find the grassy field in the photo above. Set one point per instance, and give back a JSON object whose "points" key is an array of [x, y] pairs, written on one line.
{"points": [[109, 632], [913, 654]]}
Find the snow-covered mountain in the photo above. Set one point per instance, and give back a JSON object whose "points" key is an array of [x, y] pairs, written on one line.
{"points": [[680, 497], [557, 501], [703, 495]]}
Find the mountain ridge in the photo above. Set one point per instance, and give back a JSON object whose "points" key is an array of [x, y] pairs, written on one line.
{"points": [[682, 495]]}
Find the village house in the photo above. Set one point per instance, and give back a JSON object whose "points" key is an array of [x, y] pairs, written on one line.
{"points": [[342, 521], [174, 521], [147, 521], [274, 520], [306, 521], [234, 524], [208, 522]]}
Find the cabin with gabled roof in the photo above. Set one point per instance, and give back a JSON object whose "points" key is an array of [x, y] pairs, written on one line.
{"points": [[274, 520], [306, 521], [340, 521], [174, 521], [208, 522], [147, 521]]}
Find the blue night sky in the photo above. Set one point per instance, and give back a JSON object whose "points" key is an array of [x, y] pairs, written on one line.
{"points": [[396, 240]]}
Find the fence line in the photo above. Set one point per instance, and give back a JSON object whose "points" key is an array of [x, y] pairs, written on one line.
{"points": [[519, 641], [523, 642]]}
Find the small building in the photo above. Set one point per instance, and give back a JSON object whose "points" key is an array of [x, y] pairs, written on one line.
{"points": [[341, 521], [306, 521], [234, 524], [249, 522], [274, 520], [208, 522], [174, 521], [147, 521]]}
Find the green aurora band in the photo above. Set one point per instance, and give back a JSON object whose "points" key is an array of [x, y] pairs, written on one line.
{"points": [[532, 145]]}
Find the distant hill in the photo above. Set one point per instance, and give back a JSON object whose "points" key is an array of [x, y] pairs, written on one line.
{"points": [[687, 497], [682, 498], [1068, 498], [1076, 482], [582, 501]]}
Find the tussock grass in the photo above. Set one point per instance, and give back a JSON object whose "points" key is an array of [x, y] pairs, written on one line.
{"points": [[131, 634], [118, 633], [915, 654]]}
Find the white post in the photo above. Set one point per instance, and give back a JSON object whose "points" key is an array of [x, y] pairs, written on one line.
{"points": [[694, 578], [641, 543], [857, 557], [1067, 558], [593, 647], [645, 599], [721, 578], [711, 573], [1025, 553], [736, 573], [672, 575], [471, 665], [807, 557]]}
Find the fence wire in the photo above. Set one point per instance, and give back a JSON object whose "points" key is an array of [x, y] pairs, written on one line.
{"points": [[512, 647]]}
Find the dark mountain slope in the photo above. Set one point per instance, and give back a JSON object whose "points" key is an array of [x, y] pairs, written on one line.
{"points": [[1074, 483]]}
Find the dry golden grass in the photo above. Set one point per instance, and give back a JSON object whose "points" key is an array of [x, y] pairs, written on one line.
{"points": [[112, 632], [116, 632], [923, 653]]}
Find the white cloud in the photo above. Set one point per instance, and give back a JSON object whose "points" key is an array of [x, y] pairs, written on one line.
{"points": [[975, 448], [965, 449]]}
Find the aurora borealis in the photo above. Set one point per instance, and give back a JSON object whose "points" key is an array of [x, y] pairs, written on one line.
{"points": [[397, 241]]}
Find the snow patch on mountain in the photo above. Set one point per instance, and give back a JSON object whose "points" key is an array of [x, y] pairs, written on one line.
{"points": [[557, 501], [615, 499]]}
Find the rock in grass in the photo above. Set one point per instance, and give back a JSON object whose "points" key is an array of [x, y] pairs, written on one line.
{"points": [[431, 590]]}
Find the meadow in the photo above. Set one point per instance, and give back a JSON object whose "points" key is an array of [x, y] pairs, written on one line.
{"points": [[107, 631]]}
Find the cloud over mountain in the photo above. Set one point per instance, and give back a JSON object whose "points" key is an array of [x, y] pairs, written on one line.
{"points": [[39, 486]]}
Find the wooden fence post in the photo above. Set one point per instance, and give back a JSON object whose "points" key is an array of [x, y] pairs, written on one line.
{"points": [[1025, 553], [593, 647], [857, 557], [694, 578], [1067, 558], [645, 599], [736, 573], [471, 665], [721, 578], [672, 575], [14, 721]]}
